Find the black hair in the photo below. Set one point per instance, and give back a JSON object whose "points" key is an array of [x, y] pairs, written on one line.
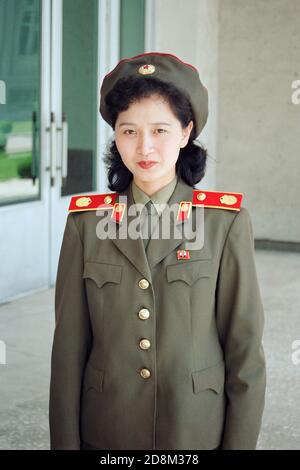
{"points": [[191, 163]]}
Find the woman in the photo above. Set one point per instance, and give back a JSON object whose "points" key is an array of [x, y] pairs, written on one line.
{"points": [[157, 342]]}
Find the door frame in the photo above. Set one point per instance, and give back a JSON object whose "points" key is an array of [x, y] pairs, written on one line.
{"points": [[108, 56]]}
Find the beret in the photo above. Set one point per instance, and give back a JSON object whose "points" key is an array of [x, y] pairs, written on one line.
{"points": [[167, 68]]}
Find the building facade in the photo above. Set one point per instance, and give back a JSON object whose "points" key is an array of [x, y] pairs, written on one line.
{"points": [[53, 57]]}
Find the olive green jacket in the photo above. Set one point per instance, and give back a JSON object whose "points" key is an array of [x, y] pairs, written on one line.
{"points": [[206, 365]]}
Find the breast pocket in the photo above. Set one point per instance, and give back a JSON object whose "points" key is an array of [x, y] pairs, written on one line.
{"points": [[189, 272], [102, 273], [102, 284]]}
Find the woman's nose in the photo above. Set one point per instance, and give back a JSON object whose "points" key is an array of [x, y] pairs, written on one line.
{"points": [[145, 144]]}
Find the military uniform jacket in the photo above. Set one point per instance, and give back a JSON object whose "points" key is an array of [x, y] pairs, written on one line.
{"points": [[204, 384]]}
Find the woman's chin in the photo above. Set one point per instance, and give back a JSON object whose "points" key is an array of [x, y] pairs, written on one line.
{"points": [[146, 175]]}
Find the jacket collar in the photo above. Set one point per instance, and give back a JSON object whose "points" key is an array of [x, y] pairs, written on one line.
{"points": [[157, 249], [159, 198]]}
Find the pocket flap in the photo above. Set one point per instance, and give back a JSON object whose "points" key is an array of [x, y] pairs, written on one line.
{"points": [[211, 378], [93, 378], [102, 272], [189, 271]]}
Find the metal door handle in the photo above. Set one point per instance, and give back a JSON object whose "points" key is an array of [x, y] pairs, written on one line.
{"points": [[64, 163], [53, 149], [34, 160]]}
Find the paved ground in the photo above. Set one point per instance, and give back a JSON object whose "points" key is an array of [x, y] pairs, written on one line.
{"points": [[26, 326]]}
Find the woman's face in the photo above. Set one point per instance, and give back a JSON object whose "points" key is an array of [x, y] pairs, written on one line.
{"points": [[149, 138]]}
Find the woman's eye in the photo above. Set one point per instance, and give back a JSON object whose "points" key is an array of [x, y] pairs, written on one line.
{"points": [[128, 130]]}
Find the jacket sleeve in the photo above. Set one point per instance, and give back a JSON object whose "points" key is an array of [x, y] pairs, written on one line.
{"points": [[71, 342], [240, 321]]}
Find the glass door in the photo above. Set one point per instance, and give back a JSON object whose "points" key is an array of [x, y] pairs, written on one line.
{"points": [[74, 109], [19, 101], [24, 190]]}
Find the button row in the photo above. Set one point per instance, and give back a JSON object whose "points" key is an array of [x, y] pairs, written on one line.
{"points": [[144, 343]]}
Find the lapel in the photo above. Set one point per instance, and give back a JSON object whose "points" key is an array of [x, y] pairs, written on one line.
{"points": [[159, 248]]}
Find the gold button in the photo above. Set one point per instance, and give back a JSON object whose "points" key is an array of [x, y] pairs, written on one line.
{"points": [[145, 343], [144, 314], [107, 199], [143, 284], [201, 196], [145, 373]]}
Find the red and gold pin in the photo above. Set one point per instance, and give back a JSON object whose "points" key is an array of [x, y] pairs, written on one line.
{"points": [[184, 210], [183, 254], [118, 212]]}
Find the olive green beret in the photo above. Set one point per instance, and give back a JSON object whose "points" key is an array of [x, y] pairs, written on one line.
{"points": [[168, 68]]}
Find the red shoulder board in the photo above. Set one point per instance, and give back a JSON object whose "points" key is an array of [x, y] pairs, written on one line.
{"points": [[92, 202], [217, 199]]}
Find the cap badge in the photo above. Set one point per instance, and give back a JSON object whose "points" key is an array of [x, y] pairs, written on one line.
{"points": [[83, 201], [147, 69]]}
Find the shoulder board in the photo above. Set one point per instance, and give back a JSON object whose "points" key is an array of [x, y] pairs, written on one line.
{"points": [[92, 202], [217, 199]]}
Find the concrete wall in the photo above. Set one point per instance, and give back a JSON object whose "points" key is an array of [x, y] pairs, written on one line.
{"points": [[259, 127], [248, 55], [189, 29]]}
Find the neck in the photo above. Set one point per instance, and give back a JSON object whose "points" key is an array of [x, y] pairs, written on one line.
{"points": [[151, 187]]}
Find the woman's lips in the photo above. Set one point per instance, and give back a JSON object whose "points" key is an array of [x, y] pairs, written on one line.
{"points": [[146, 164]]}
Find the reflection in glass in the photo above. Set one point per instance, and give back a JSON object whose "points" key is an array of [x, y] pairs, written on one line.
{"points": [[79, 93], [19, 100]]}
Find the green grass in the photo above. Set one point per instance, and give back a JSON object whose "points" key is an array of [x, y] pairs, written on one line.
{"points": [[22, 126], [9, 166], [19, 126]]}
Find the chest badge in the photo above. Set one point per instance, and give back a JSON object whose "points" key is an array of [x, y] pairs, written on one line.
{"points": [[183, 254]]}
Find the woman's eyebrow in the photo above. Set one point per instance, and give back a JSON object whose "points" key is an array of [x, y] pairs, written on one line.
{"points": [[151, 123], [160, 123]]}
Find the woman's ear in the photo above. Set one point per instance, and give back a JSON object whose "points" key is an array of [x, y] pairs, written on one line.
{"points": [[186, 134]]}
